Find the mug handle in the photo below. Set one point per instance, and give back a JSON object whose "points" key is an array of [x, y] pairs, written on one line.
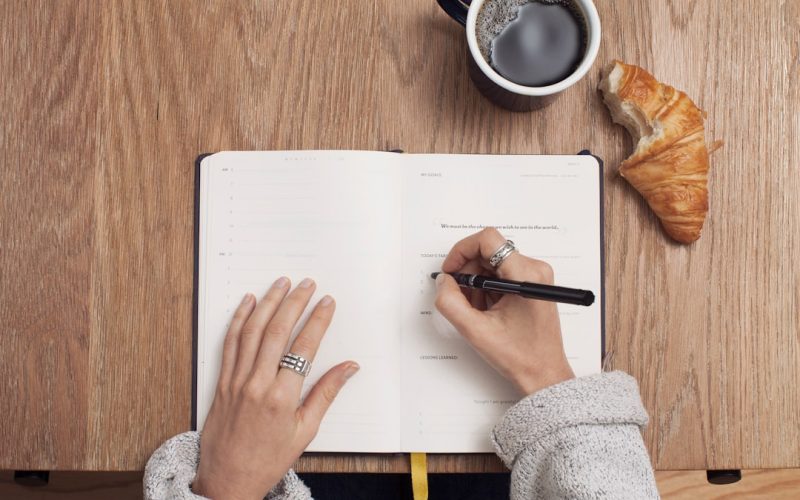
{"points": [[457, 9]]}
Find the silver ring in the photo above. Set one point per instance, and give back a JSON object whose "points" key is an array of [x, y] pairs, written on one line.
{"points": [[297, 364], [502, 253]]}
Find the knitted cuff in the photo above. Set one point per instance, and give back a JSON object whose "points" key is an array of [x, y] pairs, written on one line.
{"points": [[602, 399]]}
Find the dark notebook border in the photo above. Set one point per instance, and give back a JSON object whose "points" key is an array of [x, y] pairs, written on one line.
{"points": [[196, 284], [601, 168]]}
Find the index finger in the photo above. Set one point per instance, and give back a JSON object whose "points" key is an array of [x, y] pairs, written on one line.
{"points": [[480, 246]]}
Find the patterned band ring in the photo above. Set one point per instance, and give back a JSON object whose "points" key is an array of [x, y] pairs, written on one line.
{"points": [[296, 363], [502, 253]]}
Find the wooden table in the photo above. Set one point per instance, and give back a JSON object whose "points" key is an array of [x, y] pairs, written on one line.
{"points": [[105, 106]]}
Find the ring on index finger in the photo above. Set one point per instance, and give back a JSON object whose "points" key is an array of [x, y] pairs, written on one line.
{"points": [[502, 254]]}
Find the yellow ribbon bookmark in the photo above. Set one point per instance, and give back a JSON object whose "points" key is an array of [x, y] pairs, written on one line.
{"points": [[419, 476]]}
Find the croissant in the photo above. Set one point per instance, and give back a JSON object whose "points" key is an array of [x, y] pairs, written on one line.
{"points": [[669, 167]]}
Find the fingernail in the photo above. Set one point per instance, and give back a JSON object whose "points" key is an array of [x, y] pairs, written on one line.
{"points": [[351, 370], [281, 282], [326, 301], [439, 280], [247, 298], [306, 283]]}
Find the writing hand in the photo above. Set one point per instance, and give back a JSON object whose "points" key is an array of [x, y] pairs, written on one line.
{"points": [[520, 338], [257, 427]]}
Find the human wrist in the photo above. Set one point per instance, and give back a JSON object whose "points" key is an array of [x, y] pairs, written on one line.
{"points": [[544, 377]]}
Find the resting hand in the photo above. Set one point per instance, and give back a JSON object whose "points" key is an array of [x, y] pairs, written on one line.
{"points": [[520, 338], [257, 427]]}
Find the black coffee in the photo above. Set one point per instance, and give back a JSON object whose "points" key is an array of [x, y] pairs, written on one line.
{"points": [[532, 42]]}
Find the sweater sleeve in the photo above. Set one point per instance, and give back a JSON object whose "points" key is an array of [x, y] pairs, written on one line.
{"points": [[171, 469], [578, 439]]}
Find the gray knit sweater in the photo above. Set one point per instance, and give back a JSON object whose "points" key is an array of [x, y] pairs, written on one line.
{"points": [[577, 439]]}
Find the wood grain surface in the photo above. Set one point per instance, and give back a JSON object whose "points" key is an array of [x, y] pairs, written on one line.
{"points": [[105, 106], [772, 484]]}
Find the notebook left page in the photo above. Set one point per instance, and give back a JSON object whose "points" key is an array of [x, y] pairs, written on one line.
{"points": [[333, 216]]}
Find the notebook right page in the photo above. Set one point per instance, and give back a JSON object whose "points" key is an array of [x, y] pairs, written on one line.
{"points": [[550, 207]]}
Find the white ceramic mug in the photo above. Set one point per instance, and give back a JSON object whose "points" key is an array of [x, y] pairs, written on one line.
{"points": [[502, 91]]}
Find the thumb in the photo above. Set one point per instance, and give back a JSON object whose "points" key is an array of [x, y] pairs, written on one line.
{"points": [[454, 305], [321, 396]]}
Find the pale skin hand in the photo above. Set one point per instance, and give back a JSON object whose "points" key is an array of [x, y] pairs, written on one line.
{"points": [[257, 427], [520, 338]]}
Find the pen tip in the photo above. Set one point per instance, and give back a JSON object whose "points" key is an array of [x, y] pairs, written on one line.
{"points": [[434, 275]]}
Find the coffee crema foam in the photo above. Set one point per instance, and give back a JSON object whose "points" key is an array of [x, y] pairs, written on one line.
{"points": [[496, 15]]}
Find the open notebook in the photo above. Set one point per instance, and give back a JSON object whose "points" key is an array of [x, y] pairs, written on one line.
{"points": [[370, 227]]}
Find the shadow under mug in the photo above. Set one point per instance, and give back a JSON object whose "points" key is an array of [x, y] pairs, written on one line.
{"points": [[502, 91]]}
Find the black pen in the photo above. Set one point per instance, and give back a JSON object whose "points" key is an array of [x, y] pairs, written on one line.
{"points": [[524, 289]]}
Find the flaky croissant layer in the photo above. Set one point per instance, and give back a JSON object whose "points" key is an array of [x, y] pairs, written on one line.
{"points": [[669, 167]]}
